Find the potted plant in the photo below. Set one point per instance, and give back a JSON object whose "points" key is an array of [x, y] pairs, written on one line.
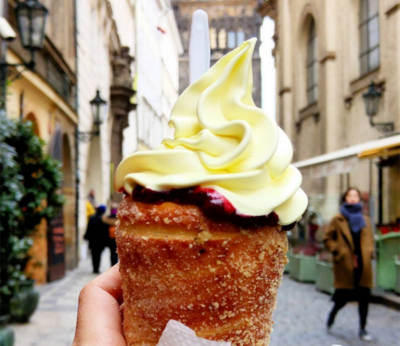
{"points": [[388, 249], [11, 193], [324, 279], [288, 265], [6, 334], [397, 263], [303, 264], [39, 198]]}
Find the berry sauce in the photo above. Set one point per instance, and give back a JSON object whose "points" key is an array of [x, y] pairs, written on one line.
{"points": [[211, 202]]}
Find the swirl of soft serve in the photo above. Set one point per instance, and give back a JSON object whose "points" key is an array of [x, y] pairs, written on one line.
{"points": [[224, 142]]}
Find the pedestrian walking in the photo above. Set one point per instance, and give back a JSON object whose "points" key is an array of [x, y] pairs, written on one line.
{"points": [[97, 235], [90, 205], [350, 240], [111, 220], [92, 198]]}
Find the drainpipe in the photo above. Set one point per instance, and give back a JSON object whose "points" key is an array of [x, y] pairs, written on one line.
{"points": [[77, 178]]}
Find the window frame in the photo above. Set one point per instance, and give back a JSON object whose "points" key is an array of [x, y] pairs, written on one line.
{"points": [[365, 23]]}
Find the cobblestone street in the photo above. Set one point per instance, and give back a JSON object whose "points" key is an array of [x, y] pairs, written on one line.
{"points": [[302, 312], [53, 323], [299, 318]]}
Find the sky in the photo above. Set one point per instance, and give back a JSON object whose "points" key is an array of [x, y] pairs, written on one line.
{"points": [[268, 67]]}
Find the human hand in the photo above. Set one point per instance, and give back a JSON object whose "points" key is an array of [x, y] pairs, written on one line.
{"points": [[99, 319]]}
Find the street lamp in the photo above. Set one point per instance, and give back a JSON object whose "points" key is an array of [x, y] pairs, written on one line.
{"points": [[31, 18], [99, 113], [372, 99]]}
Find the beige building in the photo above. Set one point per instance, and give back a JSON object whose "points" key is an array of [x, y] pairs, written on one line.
{"points": [[327, 53]]}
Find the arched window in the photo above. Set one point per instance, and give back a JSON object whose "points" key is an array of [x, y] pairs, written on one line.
{"points": [[312, 64], [369, 35]]}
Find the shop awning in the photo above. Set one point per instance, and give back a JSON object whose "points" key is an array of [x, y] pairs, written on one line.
{"points": [[345, 160], [383, 151]]}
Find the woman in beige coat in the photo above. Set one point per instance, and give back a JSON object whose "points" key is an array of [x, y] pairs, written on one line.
{"points": [[350, 240]]}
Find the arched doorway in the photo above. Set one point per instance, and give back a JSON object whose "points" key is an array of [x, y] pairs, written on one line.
{"points": [[36, 267], [55, 230], [69, 207], [32, 118]]}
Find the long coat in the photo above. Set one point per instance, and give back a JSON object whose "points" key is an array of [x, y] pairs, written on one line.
{"points": [[96, 233], [339, 241]]}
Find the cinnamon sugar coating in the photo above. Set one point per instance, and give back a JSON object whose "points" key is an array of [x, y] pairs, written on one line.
{"points": [[216, 278]]}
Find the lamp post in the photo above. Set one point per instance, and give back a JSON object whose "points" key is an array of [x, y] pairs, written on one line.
{"points": [[99, 113], [31, 18], [372, 99]]}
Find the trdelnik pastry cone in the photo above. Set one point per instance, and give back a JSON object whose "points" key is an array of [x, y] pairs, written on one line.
{"points": [[200, 234]]}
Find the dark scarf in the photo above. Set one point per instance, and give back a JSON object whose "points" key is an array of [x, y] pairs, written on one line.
{"points": [[354, 216]]}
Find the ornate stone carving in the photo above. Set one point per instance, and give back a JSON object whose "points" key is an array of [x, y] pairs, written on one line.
{"points": [[121, 65], [268, 9], [121, 88]]}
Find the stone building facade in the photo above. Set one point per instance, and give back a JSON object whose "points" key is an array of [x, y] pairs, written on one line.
{"points": [[230, 22], [327, 53]]}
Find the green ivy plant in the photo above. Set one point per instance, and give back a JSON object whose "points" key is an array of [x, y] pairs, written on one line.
{"points": [[11, 193], [30, 184]]}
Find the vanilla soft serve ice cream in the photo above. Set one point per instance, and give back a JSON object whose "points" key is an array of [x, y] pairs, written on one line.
{"points": [[223, 142]]}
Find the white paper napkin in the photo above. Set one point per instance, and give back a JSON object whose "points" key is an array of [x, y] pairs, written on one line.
{"points": [[177, 334]]}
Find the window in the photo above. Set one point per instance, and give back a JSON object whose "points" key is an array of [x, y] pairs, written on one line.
{"points": [[240, 37], [369, 35], [213, 38], [222, 39], [312, 64], [231, 39]]}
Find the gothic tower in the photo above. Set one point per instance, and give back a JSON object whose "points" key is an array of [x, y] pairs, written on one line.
{"points": [[231, 22]]}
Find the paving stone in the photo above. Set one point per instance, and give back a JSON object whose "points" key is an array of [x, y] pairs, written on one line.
{"points": [[299, 318], [54, 321], [302, 312]]}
